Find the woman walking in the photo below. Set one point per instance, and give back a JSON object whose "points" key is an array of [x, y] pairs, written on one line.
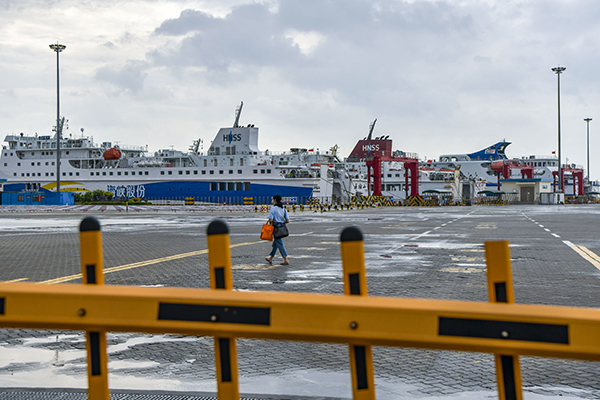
{"points": [[278, 216]]}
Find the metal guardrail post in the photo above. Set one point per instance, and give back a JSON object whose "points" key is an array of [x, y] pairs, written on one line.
{"points": [[92, 267], [355, 284], [500, 290], [219, 264]]}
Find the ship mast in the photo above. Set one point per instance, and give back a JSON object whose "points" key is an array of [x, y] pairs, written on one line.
{"points": [[371, 127], [238, 112]]}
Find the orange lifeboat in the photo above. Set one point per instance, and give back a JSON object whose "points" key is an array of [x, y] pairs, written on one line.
{"points": [[112, 154]]}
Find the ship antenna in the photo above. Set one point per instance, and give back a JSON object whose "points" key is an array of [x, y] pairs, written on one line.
{"points": [[238, 112], [371, 127]]}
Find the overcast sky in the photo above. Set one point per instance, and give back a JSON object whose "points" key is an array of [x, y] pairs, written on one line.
{"points": [[440, 76]]}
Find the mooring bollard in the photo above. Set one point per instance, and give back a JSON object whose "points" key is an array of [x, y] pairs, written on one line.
{"points": [[500, 290], [92, 268], [219, 264], [355, 284]]}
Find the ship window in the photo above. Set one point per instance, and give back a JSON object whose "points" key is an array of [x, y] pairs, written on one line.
{"points": [[246, 185], [397, 175], [262, 171], [110, 173], [255, 171], [14, 174], [51, 173], [64, 174], [180, 172], [32, 164], [22, 174], [161, 172], [77, 173], [231, 171], [52, 162], [170, 172], [18, 164], [389, 175], [239, 171], [268, 171], [32, 153], [213, 186], [46, 174], [127, 173], [239, 186], [91, 173], [104, 173], [241, 162], [21, 197], [146, 172], [221, 172], [51, 153], [67, 152], [118, 172], [221, 185], [38, 164], [70, 174], [212, 172], [46, 162], [187, 172], [203, 172], [205, 162], [230, 185], [195, 172]]}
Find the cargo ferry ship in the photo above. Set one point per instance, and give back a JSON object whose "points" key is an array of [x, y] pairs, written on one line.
{"points": [[233, 169]]}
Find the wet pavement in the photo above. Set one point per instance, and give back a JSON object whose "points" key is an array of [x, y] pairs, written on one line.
{"points": [[409, 252]]}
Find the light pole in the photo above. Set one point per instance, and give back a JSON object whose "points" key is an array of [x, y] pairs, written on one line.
{"points": [[58, 48], [588, 147], [558, 71]]}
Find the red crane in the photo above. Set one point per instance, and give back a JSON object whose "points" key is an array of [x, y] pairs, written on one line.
{"points": [[503, 168], [411, 173]]}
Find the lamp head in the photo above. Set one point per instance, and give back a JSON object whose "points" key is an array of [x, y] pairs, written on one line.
{"points": [[58, 47], [559, 70]]}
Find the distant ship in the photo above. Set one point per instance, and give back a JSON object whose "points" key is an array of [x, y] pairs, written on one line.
{"points": [[450, 173], [233, 170]]}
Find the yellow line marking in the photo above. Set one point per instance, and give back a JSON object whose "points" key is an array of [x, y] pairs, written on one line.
{"points": [[16, 280], [586, 253], [140, 264]]}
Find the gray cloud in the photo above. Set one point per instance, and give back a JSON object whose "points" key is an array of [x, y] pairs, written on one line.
{"points": [[129, 78]]}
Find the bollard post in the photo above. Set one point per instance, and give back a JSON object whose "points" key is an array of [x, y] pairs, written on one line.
{"points": [[500, 290], [92, 266], [355, 284], [219, 264]]}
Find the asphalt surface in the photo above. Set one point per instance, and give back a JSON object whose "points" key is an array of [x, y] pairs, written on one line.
{"points": [[409, 252]]}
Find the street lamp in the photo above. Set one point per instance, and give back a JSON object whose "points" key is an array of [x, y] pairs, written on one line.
{"points": [[58, 48], [588, 147], [558, 71]]}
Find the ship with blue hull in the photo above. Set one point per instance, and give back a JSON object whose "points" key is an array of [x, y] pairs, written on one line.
{"points": [[233, 170]]}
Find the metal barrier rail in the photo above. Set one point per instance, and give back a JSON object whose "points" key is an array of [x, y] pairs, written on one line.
{"points": [[500, 327]]}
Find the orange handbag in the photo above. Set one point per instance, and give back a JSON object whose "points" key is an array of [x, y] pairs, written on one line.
{"points": [[267, 232]]}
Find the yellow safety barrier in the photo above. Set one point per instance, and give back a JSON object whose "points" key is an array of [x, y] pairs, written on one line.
{"points": [[219, 264], [500, 326], [500, 290], [92, 268], [355, 284]]}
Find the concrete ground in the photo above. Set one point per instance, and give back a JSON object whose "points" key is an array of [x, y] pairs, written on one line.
{"points": [[410, 252]]}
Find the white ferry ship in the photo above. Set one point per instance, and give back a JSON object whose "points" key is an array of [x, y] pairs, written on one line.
{"points": [[233, 170]]}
